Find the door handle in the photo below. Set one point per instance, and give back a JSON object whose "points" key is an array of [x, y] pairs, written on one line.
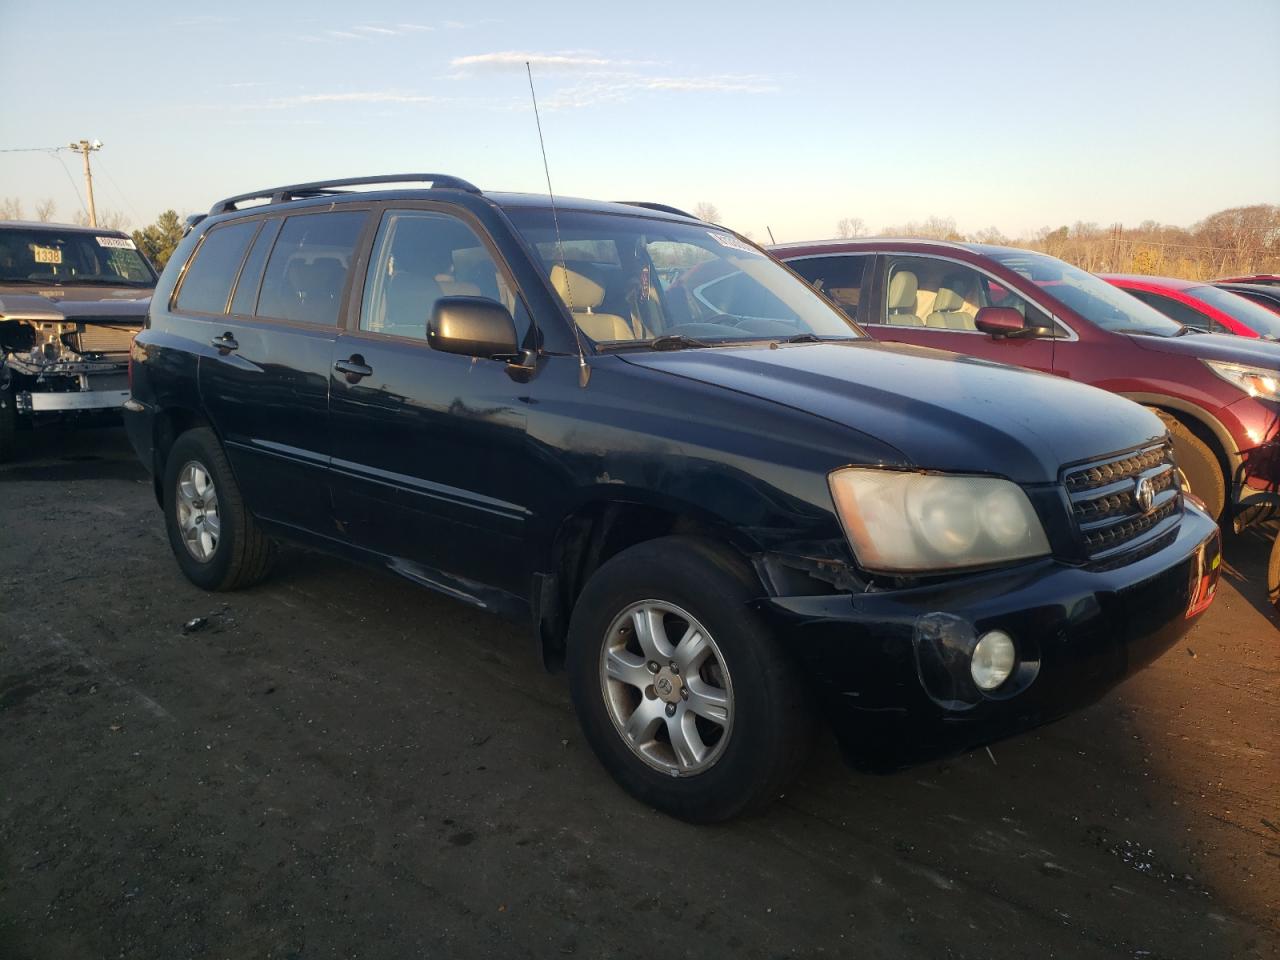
{"points": [[355, 368], [225, 343]]}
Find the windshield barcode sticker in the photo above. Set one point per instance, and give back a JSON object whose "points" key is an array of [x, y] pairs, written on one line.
{"points": [[730, 241], [116, 243], [47, 254]]}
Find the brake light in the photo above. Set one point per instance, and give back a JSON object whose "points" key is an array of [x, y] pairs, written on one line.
{"points": [[130, 364]]}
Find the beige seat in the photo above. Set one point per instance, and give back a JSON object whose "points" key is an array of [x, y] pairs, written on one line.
{"points": [[902, 300], [948, 311], [582, 295]]}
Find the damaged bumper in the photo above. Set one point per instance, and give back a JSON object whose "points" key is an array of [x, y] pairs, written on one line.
{"points": [[893, 667]]}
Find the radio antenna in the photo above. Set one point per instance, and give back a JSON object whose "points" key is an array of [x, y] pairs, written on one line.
{"points": [[584, 372]]}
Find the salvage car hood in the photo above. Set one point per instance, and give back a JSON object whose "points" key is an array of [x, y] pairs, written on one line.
{"points": [[942, 410], [73, 292], [29, 306]]}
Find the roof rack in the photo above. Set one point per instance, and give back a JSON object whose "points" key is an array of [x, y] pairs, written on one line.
{"points": [[664, 208], [321, 188]]}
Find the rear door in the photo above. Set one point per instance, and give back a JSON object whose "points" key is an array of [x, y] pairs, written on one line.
{"points": [[265, 384], [933, 302], [430, 461]]}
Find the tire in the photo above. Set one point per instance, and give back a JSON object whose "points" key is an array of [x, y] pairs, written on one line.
{"points": [[761, 737], [1198, 465], [1273, 572], [236, 553], [8, 422]]}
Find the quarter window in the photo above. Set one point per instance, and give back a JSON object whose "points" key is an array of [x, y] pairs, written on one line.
{"points": [[308, 268], [207, 284], [418, 258]]}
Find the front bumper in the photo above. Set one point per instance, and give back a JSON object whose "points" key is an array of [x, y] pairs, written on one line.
{"points": [[71, 401], [893, 669]]}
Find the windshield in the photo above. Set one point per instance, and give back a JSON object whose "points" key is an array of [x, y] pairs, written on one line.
{"points": [[1254, 316], [1092, 297], [634, 279], [52, 256]]}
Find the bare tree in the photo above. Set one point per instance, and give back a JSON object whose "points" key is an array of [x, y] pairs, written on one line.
{"points": [[107, 220], [850, 227], [992, 236], [707, 211], [10, 209], [934, 228], [45, 209]]}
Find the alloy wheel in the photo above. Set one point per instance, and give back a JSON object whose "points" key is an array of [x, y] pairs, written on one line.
{"points": [[197, 504], [666, 687]]}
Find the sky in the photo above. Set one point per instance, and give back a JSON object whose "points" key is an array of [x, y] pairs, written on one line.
{"points": [[786, 116]]}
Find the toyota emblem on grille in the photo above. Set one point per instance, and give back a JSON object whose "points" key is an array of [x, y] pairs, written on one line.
{"points": [[1145, 494]]}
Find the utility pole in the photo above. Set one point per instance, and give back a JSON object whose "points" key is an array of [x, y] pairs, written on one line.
{"points": [[84, 148]]}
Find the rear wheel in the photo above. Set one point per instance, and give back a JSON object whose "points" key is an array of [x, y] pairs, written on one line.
{"points": [[679, 686], [215, 540], [1201, 472]]}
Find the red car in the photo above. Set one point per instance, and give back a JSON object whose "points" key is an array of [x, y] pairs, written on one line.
{"points": [[1219, 396], [1201, 305]]}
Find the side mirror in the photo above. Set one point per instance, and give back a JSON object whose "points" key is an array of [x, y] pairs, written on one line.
{"points": [[473, 327], [1005, 322]]}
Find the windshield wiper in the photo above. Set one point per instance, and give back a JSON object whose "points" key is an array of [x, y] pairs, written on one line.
{"points": [[804, 338], [675, 341]]}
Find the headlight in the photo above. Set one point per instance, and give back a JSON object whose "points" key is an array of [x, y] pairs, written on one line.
{"points": [[899, 522], [1255, 381]]}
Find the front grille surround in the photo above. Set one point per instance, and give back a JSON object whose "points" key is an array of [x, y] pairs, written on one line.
{"points": [[1103, 498]]}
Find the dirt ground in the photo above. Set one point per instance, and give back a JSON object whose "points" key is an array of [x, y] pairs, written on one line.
{"points": [[341, 764]]}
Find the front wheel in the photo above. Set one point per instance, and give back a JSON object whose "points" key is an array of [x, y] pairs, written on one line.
{"points": [[680, 688], [1201, 473], [1273, 572]]}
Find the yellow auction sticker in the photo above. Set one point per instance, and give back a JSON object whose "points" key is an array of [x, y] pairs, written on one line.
{"points": [[47, 254]]}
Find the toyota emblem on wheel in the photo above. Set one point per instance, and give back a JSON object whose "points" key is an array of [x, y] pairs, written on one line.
{"points": [[1145, 494]]}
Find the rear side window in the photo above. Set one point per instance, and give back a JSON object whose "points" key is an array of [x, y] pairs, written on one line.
{"points": [[308, 267], [208, 280], [246, 295], [840, 278], [1175, 310]]}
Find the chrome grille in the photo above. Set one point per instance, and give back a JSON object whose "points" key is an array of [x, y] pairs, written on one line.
{"points": [[1105, 503]]}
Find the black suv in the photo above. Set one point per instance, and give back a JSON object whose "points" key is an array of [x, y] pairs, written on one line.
{"points": [[719, 505]]}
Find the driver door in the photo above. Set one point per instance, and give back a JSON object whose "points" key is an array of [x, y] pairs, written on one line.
{"points": [[933, 302]]}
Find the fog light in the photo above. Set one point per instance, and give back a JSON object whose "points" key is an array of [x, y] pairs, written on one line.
{"points": [[993, 659]]}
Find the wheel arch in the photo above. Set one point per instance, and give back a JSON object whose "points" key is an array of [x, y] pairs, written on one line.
{"points": [[169, 424], [1200, 422], [599, 528]]}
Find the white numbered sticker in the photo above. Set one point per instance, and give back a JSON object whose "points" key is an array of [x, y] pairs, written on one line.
{"points": [[116, 243], [732, 242]]}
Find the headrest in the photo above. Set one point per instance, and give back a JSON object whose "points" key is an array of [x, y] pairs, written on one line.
{"points": [[902, 290], [577, 291], [947, 299]]}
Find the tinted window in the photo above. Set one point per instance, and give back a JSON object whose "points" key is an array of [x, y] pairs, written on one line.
{"points": [[840, 278], [1175, 311], [50, 255], [207, 283], [246, 295], [418, 258], [1259, 319], [308, 267]]}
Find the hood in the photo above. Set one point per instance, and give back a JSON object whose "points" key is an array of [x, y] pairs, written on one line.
{"points": [[1216, 346], [66, 293], [28, 306], [944, 411]]}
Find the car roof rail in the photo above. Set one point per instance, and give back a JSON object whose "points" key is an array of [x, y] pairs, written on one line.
{"points": [[321, 188], [192, 219], [664, 208]]}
